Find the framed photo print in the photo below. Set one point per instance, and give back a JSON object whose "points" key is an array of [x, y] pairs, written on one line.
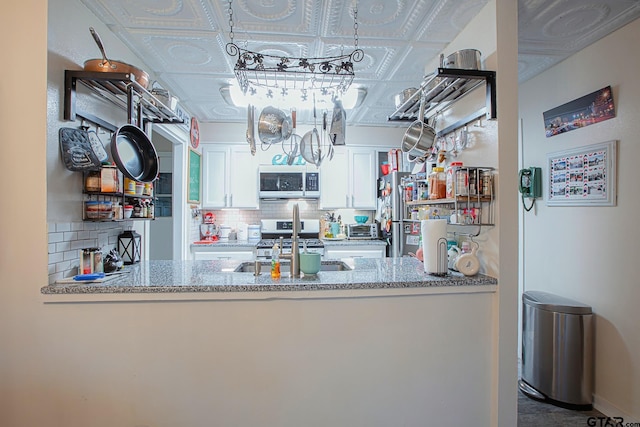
{"points": [[584, 176]]}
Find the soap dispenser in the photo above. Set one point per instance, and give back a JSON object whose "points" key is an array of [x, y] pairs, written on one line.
{"points": [[275, 261]]}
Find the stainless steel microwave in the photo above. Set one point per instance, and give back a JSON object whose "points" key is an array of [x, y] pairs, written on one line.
{"points": [[288, 182]]}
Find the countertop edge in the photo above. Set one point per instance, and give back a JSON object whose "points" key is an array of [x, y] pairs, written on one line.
{"points": [[239, 295]]}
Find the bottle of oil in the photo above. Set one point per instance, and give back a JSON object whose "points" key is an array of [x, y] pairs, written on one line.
{"points": [[275, 262]]}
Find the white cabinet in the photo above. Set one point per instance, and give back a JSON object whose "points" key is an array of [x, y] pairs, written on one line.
{"points": [[229, 177], [223, 253], [334, 179], [354, 251], [349, 179]]}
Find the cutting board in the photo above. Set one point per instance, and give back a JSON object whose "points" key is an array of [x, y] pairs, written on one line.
{"points": [[106, 278]]}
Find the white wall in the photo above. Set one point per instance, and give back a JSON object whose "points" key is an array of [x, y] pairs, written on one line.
{"points": [[589, 253], [135, 364]]}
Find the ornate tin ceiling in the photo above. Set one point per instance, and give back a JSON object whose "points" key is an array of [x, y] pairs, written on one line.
{"points": [[183, 41]]}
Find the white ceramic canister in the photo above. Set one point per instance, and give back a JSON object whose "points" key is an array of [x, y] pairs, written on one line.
{"points": [[253, 233], [243, 230], [224, 232]]}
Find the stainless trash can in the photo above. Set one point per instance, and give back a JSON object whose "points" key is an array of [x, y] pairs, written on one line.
{"points": [[557, 350]]}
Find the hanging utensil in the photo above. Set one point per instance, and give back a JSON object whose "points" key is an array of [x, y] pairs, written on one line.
{"points": [[338, 124], [134, 154], [96, 144], [274, 126], [294, 140], [310, 145], [251, 136], [324, 136], [76, 150], [321, 152], [107, 65], [419, 137]]}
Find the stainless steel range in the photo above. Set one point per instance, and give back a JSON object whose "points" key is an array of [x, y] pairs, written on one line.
{"points": [[273, 229]]}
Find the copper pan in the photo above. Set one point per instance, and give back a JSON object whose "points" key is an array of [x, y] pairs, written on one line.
{"points": [[110, 66]]}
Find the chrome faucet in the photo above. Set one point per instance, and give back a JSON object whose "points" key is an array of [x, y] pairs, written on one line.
{"points": [[294, 256]]}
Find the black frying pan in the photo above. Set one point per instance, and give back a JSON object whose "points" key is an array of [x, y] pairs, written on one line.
{"points": [[134, 154]]}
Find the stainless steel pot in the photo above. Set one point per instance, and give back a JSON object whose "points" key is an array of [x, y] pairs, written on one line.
{"points": [[418, 139], [274, 126], [401, 97], [465, 59]]}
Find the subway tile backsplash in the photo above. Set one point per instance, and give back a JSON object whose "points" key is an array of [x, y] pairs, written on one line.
{"points": [[282, 209], [67, 238]]}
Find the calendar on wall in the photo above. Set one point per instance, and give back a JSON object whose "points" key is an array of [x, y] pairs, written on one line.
{"points": [[584, 176]]}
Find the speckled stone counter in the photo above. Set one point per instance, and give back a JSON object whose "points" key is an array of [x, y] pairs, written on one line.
{"points": [[206, 277], [228, 244], [356, 242]]}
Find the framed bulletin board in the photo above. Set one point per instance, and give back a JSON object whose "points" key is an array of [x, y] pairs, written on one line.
{"points": [[584, 176], [195, 174]]}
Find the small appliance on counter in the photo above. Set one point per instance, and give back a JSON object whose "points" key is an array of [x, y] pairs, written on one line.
{"points": [[208, 229], [209, 232], [209, 218], [362, 231]]}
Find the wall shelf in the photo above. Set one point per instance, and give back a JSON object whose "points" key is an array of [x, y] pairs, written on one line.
{"points": [[443, 88], [476, 195], [120, 89]]}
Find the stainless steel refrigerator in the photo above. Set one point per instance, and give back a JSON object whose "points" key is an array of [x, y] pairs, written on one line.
{"points": [[390, 211]]}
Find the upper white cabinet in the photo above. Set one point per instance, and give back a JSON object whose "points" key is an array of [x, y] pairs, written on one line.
{"points": [[229, 177], [349, 179]]}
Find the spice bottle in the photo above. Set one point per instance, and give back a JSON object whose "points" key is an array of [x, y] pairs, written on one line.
{"points": [[275, 262], [92, 181], [451, 173], [437, 184]]}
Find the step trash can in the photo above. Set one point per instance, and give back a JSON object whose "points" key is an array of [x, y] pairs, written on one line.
{"points": [[557, 350]]}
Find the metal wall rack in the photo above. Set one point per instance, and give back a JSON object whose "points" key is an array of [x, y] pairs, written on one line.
{"points": [[120, 89], [441, 89]]}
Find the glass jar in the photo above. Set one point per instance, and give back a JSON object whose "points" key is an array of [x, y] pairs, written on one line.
{"points": [[92, 181], [451, 173], [485, 182], [437, 183], [462, 182]]}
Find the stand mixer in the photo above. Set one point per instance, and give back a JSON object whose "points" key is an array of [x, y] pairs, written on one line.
{"points": [[208, 229]]}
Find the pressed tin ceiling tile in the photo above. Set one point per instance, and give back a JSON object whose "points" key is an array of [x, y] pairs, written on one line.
{"points": [[183, 41]]}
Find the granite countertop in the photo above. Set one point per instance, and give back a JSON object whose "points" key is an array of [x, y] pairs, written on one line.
{"points": [[355, 242], [244, 243], [227, 244], [218, 276]]}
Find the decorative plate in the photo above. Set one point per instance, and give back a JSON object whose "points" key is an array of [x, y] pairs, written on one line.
{"points": [[194, 134]]}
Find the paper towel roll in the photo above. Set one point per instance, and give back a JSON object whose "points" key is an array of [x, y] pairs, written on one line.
{"points": [[434, 235]]}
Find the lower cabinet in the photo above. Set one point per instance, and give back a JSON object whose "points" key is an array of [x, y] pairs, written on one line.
{"points": [[354, 251], [241, 254]]}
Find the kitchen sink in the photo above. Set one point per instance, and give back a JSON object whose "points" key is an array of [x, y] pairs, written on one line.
{"points": [[265, 266]]}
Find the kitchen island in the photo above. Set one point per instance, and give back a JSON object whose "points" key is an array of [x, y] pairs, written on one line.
{"points": [[382, 344], [219, 279]]}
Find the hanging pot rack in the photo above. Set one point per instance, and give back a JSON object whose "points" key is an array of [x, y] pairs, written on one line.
{"points": [[282, 74]]}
